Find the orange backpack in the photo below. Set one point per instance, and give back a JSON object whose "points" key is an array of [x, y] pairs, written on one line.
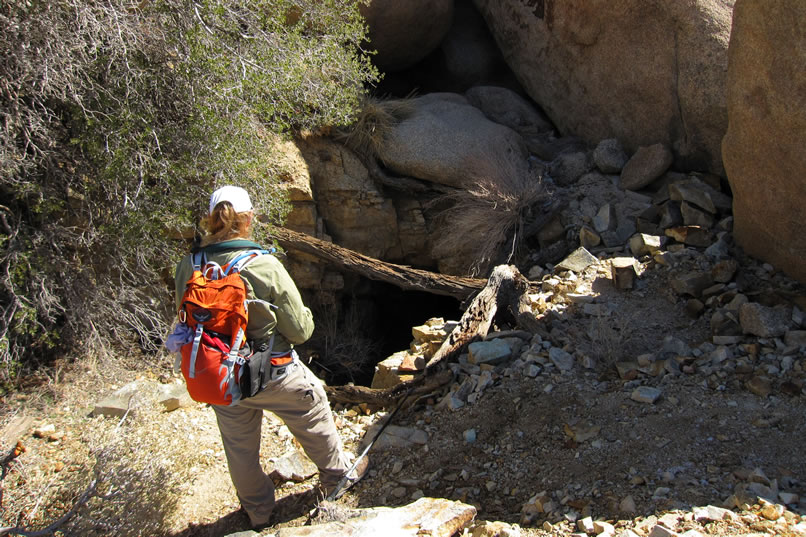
{"points": [[215, 308]]}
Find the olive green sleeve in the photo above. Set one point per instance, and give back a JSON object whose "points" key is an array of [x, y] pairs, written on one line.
{"points": [[183, 272], [270, 281]]}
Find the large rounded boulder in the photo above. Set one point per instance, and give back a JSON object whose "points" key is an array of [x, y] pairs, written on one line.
{"points": [[640, 71], [403, 33], [446, 140], [764, 151]]}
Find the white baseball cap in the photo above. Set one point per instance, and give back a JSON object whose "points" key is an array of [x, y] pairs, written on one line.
{"points": [[237, 196]]}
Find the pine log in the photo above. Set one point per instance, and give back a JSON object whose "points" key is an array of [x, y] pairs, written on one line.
{"points": [[399, 275]]}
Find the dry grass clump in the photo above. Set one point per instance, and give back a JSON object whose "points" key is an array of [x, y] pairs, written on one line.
{"points": [[375, 120], [485, 222], [105, 476]]}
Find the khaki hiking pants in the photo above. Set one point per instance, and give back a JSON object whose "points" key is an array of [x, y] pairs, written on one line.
{"points": [[300, 401]]}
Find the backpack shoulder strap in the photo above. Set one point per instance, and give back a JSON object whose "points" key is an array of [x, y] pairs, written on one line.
{"points": [[238, 264], [198, 259]]}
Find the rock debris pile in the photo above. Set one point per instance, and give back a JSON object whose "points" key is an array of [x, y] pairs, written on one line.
{"points": [[667, 383]]}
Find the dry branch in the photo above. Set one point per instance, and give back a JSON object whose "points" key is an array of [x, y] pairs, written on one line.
{"points": [[504, 294], [402, 276]]}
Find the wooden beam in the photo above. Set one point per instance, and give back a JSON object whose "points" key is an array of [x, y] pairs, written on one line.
{"points": [[374, 269]]}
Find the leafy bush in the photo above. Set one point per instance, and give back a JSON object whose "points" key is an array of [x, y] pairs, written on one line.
{"points": [[118, 118]]}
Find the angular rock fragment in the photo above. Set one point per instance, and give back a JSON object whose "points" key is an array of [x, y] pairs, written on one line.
{"points": [[764, 321], [563, 360], [691, 235], [693, 216], [578, 260], [691, 284], [292, 466], [643, 244], [645, 394], [623, 271], [724, 271], [692, 192], [489, 352]]}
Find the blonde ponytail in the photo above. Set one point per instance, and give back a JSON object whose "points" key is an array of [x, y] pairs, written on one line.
{"points": [[225, 224]]}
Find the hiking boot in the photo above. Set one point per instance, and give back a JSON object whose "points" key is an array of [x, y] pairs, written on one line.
{"points": [[355, 476]]}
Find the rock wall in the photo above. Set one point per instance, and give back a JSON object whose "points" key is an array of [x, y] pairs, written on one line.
{"points": [[764, 151], [641, 71]]}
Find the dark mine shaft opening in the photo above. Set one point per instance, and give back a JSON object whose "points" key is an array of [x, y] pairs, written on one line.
{"points": [[368, 325]]}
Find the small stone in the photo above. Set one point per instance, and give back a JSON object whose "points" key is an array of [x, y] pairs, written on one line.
{"points": [[646, 165], [760, 386], [628, 370], [588, 238], [692, 216], [771, 511], [469, 436], [645, 394], [691, 235], [623, 271], [532, 370], [609, 156], [643, 244], [789, 498], [603, 529], [586, 525], [712, 513], [173, 396], [536, 272], [44, 431], [692, 192], [795, 338], [670, 215], [605, 219], [293, 466], [724, 271], [491, 352], [691, 284], [495, 529], [563, 360], [694, 307], [578, 260], [627, 505], [660, 531], [121, 401]]}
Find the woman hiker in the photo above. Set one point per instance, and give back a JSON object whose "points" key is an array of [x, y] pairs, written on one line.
{"points": [[297, 397]]}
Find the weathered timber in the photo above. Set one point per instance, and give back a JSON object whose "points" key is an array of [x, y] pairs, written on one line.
{"points": [[402, 276], [504, 295], [386, 397]]}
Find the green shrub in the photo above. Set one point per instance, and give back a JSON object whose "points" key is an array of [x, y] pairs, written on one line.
{"points": [[118, 118]]}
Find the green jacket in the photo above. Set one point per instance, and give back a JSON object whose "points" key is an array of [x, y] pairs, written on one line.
{"points": [[266, 279]]}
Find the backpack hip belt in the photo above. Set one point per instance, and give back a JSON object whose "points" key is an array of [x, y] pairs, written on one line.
{"points": [[282, 364]]}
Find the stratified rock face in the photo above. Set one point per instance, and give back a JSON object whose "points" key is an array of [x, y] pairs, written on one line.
{"points": [[404, 33], [764, 151], [355, 213], [641, 71]]}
